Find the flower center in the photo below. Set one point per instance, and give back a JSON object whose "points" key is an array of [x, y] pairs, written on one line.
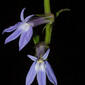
{"points": [[40, 65], [25, 26]]}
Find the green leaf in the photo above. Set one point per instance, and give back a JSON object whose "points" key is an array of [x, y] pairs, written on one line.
{"points": [[62, 10]]}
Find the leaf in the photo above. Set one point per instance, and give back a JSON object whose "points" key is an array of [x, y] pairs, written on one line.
{"points": [[62, 10]]}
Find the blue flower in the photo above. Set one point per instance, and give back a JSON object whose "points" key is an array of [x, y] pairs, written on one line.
{"points": [[22, 29], [40, 67]]}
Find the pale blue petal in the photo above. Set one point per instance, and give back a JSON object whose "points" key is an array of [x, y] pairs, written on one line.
{"points": [[41, 78], [32, 57], [22, 14], [27, 18], [25, 38], [11, 28], [13, 36], [46, 54], [31, 74], [50, 74]]}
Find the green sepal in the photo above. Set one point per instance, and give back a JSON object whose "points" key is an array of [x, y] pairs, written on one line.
{"points": [[36, 39], [62, 10]]}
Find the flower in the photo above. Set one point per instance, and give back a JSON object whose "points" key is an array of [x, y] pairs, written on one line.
{"points": [[23, 29], [40, 67]]}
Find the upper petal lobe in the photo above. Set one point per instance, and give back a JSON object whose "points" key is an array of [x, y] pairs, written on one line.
{"points": [[28, 17], [46, 54], [22, 14], [32, 57]]}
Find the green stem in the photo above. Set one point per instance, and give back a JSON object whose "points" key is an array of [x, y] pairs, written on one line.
{"points": [[47, 6], [48, 33], [48, 30]]}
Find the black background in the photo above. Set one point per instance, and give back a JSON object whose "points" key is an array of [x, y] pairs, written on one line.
{"points": [[67, 44]]}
